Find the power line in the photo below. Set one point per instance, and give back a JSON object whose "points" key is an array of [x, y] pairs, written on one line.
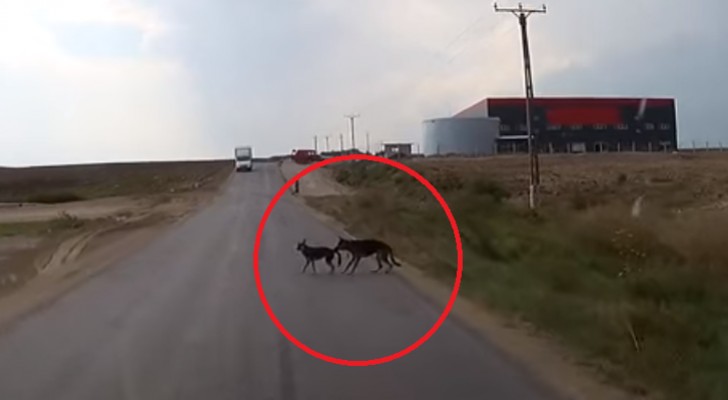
{"points": [[465, 31], [432, 69], [535, 175]]}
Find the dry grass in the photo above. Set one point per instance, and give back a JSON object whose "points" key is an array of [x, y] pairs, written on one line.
{"points": [[668, 180], [82, 182], [643, 300]]}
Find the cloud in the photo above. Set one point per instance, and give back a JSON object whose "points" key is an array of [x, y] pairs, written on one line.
{"points": [[202, 77], [62, 104]]}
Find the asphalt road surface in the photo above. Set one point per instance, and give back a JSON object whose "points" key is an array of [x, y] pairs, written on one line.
{"points": [[181, 319]]}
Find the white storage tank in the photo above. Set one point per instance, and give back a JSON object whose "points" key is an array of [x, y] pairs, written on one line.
{"points": [[461, 136]]}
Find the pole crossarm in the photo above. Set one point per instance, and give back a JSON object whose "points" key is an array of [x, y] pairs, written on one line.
{"points": [[517, 11]]}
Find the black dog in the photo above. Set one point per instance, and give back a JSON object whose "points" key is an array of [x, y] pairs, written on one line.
{"points": [[316, 253], [365, 248]]}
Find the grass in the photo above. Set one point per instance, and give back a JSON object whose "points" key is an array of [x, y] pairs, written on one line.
{"points": [[83, 182], [643, 300], [64, 222], [53, 198]]}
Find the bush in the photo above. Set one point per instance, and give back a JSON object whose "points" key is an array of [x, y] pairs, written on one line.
{"points": [[483, 187], [444, 181], [66, 221]]}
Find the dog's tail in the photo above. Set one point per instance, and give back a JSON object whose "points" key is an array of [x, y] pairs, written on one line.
{"points": [[394, 261], [338, 257]]}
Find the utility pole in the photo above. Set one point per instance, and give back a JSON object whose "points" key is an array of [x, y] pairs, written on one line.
{"points": [[315, 144], [535, 176], [352, 117], [327, 143], [367, 142], [341, 142]]}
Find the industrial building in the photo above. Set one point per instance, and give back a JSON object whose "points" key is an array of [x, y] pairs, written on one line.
{"points": [[561, 125], [461, 135]]}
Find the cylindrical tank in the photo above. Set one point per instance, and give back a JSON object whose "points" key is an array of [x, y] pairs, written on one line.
{"points": [[466, 136]]}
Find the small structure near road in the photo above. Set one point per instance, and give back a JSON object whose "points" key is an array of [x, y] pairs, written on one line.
{"points": [[397, 150]]}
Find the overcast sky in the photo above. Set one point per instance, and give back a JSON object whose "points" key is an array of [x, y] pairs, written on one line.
{"points": [[113, 80]]}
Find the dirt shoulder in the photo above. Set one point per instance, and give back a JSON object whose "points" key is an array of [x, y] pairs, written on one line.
{"points": [[47, 249], [316, 184], [538, 353]]}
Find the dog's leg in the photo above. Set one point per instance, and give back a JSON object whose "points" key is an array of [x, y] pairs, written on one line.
{"points": [[338, 255], [379, 262], [349, 264], [356, 264], [305, 266], [328, 261], [386, 261], [313, 265]]}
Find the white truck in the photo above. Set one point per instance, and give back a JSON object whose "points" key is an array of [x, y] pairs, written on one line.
{"points": [[243, 158]]}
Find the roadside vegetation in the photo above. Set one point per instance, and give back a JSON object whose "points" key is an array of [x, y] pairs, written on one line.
{"points": [[643, 298], [62, 184], [64, 222]]}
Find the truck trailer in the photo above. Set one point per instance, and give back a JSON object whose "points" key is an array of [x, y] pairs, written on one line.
{"points": [[243, 158]]}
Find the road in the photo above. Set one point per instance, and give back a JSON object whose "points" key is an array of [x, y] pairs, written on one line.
{"points": [[181, 319]]}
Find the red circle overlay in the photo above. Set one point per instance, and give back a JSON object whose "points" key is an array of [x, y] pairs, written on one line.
{"points": [[445, 312]]}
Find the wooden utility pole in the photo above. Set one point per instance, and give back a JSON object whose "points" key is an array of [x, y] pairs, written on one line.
{"points": [[535, 176]]}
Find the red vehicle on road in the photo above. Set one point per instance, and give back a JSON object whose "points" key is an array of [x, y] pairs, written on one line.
{"points": [[305, 156]]}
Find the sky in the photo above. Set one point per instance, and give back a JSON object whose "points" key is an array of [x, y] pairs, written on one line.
{"points": [[127, 80]]}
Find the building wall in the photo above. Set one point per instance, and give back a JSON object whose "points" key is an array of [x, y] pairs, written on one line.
{"points": [[590, 124], [466, 136]]}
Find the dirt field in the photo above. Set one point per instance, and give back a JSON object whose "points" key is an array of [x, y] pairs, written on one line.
{"points": [[676, 181], [84, 182], [51, 217]]}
